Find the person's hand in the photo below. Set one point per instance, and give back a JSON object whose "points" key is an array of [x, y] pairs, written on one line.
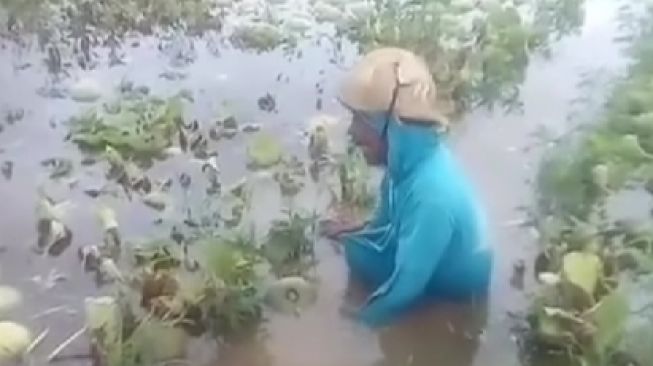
{"points": [[334, 229]]}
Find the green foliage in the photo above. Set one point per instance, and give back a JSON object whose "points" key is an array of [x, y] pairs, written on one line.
{"points": [[355, 192], [478, 52], [289, 245], [582, 269], [119, 17], [141, 129], [621, 141], [264, 151], [587, 311], [239, 310], [232, 260], [258, 36]]}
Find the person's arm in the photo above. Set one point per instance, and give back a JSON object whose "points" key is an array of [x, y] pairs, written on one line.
{"points": [[425, 231], [335, 229], [384, 204]]}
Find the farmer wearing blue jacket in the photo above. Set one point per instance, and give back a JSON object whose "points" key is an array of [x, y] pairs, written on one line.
{"points": [[426, 241]]}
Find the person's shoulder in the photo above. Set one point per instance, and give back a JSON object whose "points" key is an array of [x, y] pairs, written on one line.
{"points": [[443, 186], [440, 176]]}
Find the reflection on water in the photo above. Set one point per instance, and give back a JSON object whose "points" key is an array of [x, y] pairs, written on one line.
{"points": [[443, 334]]}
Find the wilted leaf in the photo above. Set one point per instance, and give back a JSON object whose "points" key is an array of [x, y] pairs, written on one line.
{"points": [[86, 90], [60, 167], [551, 331], [155, 285], [107, 217], [156, 200], [610, 318], [109, 271], [251, 128], [635, 259], [14, 340], [163, 342], [318, 146], [582, 269], [104, 320], [267, 103], [53, 236], [47, 209]]}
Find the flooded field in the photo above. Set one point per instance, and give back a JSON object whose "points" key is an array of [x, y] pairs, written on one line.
{"points": [[284, 93]]}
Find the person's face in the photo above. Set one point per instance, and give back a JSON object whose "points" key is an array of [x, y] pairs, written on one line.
{"points": [[364, 136]]}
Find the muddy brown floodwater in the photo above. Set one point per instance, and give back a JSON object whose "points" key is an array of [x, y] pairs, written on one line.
{"points": [[491, 146]]}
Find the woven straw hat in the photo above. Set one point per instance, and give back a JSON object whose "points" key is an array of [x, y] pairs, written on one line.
{"points": [[371, 83]]}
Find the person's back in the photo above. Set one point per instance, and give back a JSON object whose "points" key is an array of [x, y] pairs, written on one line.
{"points": [[428, 237], [464, 270]]}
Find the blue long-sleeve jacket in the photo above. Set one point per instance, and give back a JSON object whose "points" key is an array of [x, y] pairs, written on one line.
{"points": [[427, 239]]}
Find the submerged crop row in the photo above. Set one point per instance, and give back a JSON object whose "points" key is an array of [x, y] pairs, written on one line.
{"points": [[593, 304], [208, 269], [478, 50]]}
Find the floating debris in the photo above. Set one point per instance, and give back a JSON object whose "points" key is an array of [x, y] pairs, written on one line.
{"points": [[267, 103], [172, 151], [7, 169], [52, 92], [108, 272], [53, 310], [156, 200], [109, 223], [518, 275], [229, 133], [212, 171], [227, 120], [94, 192], [53, 237], [23, 66], [60, 167], [60, 348], [184, 181], [13, 116], [251, 127], [173, 75], [10, 299], [50, 281], [86, 90], [318, 147], [37, 341], [90, 257]]}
